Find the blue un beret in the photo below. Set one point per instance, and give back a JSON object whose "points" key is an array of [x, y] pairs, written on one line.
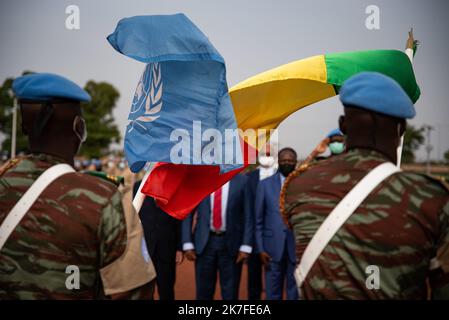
{"points": [[46, 87], [376, 92], [335, 132]]}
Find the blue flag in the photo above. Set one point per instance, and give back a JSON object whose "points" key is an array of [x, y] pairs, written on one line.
{"points": [[181, 110]]}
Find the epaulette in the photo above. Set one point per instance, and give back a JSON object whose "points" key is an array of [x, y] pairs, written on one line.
{"points": [[117, 180], [8, 165]]}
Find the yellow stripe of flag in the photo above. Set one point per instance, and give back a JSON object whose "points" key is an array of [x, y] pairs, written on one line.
{"points": [[265, 100]]}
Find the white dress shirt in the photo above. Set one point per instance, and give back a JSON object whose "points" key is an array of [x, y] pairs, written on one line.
{"points": [[224, 202], [266, 172], [282, 179]]}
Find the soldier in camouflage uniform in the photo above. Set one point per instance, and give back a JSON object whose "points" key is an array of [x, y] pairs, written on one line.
{"points": [[400, 227], [78, 220]]}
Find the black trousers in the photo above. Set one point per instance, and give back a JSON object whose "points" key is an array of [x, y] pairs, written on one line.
{"points": [[165, 265], [254, 277], [162, 236]]}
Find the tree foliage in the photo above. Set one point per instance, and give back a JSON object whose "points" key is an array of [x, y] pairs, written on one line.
{"points": [[6, 109], [102, 131], [413, 139], [446, 156]]}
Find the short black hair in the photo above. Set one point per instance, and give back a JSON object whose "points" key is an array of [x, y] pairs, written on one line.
{"points": [[288, 149]]}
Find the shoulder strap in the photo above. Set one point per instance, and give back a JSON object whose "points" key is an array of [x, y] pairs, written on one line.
{"points": [[24, 204], [8, 165], [338, 217]]}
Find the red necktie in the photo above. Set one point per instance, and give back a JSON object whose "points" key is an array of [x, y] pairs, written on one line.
{"points": [[216, 220]]}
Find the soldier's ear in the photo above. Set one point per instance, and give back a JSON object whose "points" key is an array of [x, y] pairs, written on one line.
{"points": [[342, 124]]}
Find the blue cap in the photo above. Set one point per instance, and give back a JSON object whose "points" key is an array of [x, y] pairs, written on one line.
{"points": [[335, 132], [376, 92], [46, 87]]}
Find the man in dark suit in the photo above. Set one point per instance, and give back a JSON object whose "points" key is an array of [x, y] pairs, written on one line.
{"points": [[163, 238], [266, 169], [275, 242], [221, 240]]}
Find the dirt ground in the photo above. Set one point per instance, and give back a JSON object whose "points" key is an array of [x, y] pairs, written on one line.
{"points": [[185, 283]]}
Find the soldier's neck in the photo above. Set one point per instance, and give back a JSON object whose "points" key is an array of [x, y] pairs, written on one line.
{"points": [[389, 153], [64, 157]]}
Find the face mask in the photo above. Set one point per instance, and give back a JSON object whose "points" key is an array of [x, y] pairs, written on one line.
{"points": [[336, 147], [266, 161], [286, 169]]}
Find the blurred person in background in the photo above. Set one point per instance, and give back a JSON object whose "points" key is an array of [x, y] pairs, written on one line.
{"points": [[334, 141], [265, 169], [275, 242]]}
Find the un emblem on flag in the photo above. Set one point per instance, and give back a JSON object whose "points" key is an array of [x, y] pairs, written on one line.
{"points": [[147, 102]]}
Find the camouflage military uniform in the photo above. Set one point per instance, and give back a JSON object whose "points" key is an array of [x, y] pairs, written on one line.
{"points": [[399, 227], [77, 220]]}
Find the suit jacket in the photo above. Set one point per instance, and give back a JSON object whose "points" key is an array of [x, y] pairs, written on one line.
{"points": [[271, 232], [251, 189], [161, 230], [239, 229]]}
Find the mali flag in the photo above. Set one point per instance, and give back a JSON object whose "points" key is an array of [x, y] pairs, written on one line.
{"points": [[266, 99], [263, 102]]}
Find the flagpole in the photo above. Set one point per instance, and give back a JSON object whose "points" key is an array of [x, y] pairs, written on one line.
{"points": [[140, 197], [409, 53]]}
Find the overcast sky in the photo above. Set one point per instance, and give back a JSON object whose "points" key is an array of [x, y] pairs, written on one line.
{"points": [[253, 36]]}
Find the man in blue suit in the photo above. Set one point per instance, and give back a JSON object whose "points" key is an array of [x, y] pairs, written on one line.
{"points": [[221, 239], [274, 241], [266, 169]]}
